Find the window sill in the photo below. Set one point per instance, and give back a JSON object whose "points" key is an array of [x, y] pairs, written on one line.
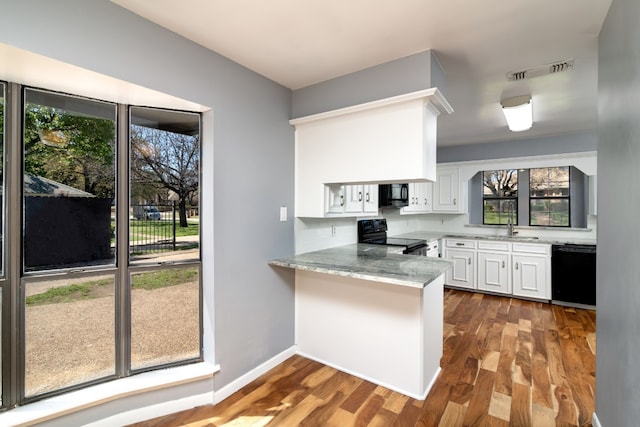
{"points": [[529, 227], [68, 403]]}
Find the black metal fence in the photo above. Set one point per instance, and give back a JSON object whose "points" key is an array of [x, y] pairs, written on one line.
{"points": [[153, 228]]}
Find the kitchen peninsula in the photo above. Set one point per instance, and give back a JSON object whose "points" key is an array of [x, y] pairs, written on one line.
{"points": [[372, 313]]}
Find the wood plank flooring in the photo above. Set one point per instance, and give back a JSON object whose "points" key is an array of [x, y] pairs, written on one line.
{"points": [[506, 362]]}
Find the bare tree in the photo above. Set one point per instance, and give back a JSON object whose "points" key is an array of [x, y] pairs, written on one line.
{"points": [[168, 160], [501, 183]]}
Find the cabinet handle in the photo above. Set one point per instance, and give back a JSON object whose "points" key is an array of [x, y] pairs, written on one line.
{"points": [[368, 198], [455, 202], [425, 202], [502, 264], [359, 196], [516, 265], [341, 200], [459, 244], [469, 261]]}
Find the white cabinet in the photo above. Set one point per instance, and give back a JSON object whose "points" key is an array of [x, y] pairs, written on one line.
{"points": [[531, 270], [493, 272], [420, 198], [463, 271], [519, 269], [361, 198], [351, 200], [447, 191]]}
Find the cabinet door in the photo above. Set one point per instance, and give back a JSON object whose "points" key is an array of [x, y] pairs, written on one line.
{"points": [[531, 276], [462, 273], [420, 194], [354, 196], [370, 202], [334, 198], [447, 190], [493, 272]]}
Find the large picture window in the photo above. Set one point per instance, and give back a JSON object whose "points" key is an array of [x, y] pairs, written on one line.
{"points": [[500, 196], [549, 197], [106, 257]]}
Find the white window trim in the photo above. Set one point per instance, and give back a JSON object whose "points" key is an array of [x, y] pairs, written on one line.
{"points": [[89, 397]]}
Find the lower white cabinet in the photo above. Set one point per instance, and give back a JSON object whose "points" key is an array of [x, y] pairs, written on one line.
{"points": [[519, 269], [531, 276], [493, 272]]}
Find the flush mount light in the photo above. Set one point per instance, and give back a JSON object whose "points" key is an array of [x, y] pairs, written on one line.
{"points": [[519, 112]]}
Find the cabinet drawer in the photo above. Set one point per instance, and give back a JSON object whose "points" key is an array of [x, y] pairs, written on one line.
{"points": [[529, 248], [494, 246], [458, 243]]}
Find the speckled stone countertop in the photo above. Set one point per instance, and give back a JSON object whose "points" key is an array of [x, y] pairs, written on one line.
{"points": [[430, 235], [369, 262]]}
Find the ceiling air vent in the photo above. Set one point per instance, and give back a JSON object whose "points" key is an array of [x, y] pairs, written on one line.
{"points": [[541, 70]]}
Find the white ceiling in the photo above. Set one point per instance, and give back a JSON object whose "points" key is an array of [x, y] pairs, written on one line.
{"points": [[300, 42]]}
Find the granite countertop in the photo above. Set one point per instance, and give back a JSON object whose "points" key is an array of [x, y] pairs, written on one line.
{"points": [[369, 262], [430, 235]]}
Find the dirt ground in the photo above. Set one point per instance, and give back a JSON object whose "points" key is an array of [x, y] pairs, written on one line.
{"points": [[70, 343]]}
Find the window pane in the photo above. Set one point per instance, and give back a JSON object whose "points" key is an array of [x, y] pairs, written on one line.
{"points": [[500, 183], [69, 332], [165, 316], [550, 212], [69, 181], [549, 182], [500, 211], [165, 185]]}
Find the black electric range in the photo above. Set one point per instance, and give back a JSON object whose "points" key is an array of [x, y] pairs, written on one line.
{"points": [[374, 231]]}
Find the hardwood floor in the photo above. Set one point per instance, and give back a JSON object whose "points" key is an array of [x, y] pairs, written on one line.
{"points": [[506, 362]]}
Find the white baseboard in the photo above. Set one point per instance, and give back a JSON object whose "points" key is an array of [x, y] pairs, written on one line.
{"points": [[595, 420], [229, 389]]}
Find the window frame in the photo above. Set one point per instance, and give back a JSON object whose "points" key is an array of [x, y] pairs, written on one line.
{"points": [[512, 199], [13, 292], [551, 198]]}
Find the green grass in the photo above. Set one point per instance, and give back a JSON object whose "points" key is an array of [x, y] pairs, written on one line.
{"points": [[96, 288], [163, 228], [86, 290]]}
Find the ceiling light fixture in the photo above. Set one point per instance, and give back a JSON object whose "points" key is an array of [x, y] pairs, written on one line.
{"points": [[519, 112]]}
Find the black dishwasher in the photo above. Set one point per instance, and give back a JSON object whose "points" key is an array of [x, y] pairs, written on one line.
{"points": [[573, 274]]}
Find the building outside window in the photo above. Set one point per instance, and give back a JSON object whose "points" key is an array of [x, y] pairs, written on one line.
{"points": [[500, 196]]}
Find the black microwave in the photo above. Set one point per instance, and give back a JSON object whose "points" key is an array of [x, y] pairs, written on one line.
{"points": [[393, 195]]}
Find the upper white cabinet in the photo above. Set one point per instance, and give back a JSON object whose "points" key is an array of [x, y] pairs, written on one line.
{"points": [[389, 140], [420, 198], [361, 198], [447, 191], [351, 200]]}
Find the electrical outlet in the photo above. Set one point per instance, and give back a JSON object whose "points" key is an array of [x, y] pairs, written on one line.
{"points": [[333, 231]]}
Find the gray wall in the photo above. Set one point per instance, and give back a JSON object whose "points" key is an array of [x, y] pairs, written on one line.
{"points": [[253, 157], [560, 144], [404, 75], [618, 269]]}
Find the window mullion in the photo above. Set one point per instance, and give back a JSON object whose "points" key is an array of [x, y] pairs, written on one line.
{"points": [[122, 294], [13, 308]]}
